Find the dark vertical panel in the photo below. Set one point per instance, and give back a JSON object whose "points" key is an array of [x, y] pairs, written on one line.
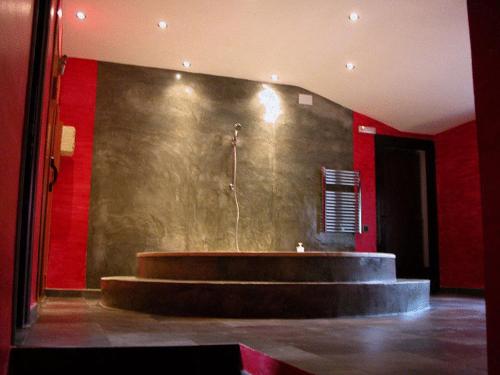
{"points": [[484, 24], [28, 178], [16, 19], [400, 214], [399, 211]]}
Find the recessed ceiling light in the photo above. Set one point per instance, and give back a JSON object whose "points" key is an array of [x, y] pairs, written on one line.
{"points": [[162, 24], [350, 66], [178, 76], [80, 15], [353, 16], [186, 64], [274, 77]]}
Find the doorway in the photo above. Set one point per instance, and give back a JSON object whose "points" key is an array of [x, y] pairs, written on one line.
{"points": [[406, 206]]}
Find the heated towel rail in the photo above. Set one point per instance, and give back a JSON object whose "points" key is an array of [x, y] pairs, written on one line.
{"points": [[341, 201]]}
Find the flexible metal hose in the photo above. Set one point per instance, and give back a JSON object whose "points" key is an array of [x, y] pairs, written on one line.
{"points": [[234, 188]]}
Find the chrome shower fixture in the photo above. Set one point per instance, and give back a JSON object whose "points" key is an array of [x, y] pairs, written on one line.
{"points": [[233, 186], [237, 128]]}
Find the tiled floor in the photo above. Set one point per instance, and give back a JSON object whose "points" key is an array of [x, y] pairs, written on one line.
{"points": [[449, 338]]}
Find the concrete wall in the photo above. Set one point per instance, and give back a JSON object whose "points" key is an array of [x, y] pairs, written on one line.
{"points": [[162, 162]]}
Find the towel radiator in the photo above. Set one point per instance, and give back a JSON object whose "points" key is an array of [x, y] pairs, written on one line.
{"points": [[341, 201]]}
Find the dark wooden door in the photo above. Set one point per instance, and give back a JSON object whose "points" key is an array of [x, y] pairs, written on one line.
{"points": [[52, 152], [406, 222], [400, 209]]}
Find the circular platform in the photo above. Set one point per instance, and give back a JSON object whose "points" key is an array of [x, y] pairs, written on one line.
{"points": [[268, 266], [264, 299], [265, 285]]}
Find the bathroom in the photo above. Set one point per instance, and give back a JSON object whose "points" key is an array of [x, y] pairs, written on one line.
{"points": [[206, 134]]}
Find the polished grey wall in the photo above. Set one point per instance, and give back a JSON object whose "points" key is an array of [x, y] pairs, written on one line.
{"points": [[162, 162]]}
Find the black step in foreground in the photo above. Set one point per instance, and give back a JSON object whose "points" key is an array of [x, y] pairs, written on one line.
{"points": [[231, 359]]}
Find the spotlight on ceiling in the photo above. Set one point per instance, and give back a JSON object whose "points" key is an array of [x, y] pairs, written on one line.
{"points": [[162, 25], [350, 66], [186, 64], [80, 15], [274, 77], [353, 17], [178, 76]]}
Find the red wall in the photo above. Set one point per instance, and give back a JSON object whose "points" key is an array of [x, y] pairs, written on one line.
{"points": [[484, 24], [364, 162], [459, 208], [69, 228], [255, 362], [16, 17]]}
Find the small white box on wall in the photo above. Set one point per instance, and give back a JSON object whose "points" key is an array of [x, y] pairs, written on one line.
{"points": [[367, 129], [305, 99], [68, 140]]}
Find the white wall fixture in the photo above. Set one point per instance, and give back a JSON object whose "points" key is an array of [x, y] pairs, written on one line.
{"points": [[68, 140], [305, 99], [367, 129]]}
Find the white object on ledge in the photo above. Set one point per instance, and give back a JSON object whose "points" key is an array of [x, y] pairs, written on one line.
{"points": [[300, 248], [68, 140]]}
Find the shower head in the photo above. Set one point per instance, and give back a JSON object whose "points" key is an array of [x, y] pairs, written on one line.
{"points": [[237, 127]]}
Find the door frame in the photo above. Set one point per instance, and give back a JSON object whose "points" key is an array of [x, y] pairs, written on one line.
{"points": [[382, 142], [29, 159]]}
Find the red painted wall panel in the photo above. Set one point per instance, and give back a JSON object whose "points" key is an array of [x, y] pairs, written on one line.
{"points": [[364, 162], [16, 17], [459, 208], [69, 228], [484, 24], [257, 363]]}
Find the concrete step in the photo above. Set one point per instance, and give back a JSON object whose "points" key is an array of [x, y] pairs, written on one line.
{"points": [[267, 266], [264, 299]]}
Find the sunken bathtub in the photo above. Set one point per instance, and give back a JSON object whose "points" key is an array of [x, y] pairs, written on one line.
{"points": [[265, 285]]}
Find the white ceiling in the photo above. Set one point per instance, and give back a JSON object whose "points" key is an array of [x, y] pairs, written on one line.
{"points": [[413, 62]]}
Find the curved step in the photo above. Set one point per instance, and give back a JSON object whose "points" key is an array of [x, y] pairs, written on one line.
{"points": [[236, 299], [267, 266]]}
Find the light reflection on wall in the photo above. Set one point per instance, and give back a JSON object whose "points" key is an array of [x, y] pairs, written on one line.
{"points": [[272, 104]]}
